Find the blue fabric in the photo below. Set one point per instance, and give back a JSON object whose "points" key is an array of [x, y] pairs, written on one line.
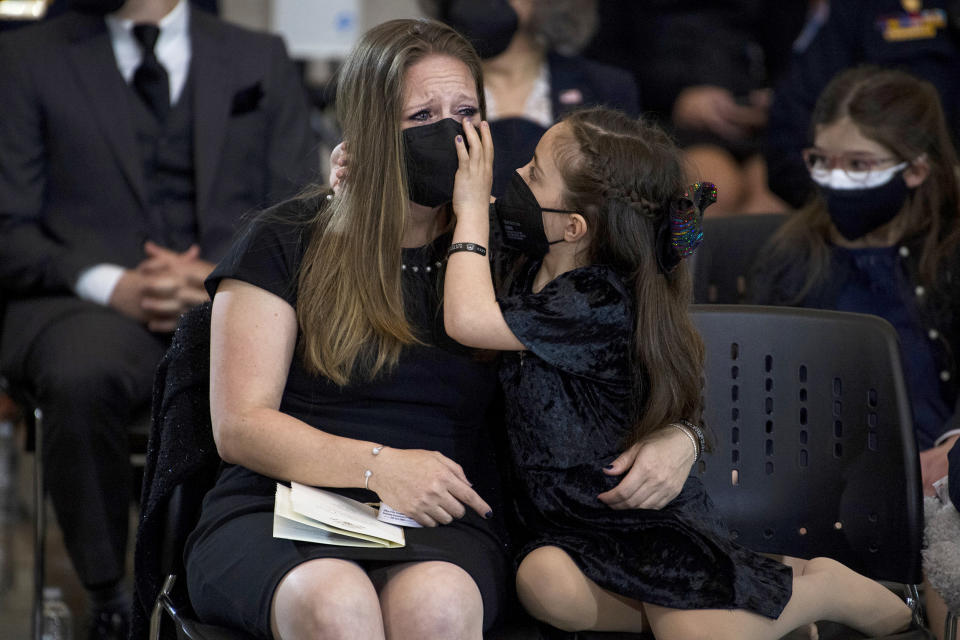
{"points": [[877, 285], [779, 275]]}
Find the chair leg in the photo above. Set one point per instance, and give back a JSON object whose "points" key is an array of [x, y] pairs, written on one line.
{"points": [[913, 601], [162, 604], [39, 525]]}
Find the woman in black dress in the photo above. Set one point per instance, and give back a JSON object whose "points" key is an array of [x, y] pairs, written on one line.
{"points": [[330, 368], [600, 350]]}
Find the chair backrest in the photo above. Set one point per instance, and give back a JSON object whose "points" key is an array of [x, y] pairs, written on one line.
{"points": [[813, 446], [730, 246], [181, 461]]}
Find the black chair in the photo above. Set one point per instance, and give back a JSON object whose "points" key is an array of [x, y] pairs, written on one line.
{"points": [[33, 419], [813, 445], [181, 466], [723, 261]]}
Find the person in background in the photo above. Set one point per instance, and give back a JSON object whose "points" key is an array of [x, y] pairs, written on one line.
{"points": [[532, 72], [134, 136], [918, 36], [704, 69], [882, 236]]}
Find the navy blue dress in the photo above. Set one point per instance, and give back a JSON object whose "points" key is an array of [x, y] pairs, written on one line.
{"points": [[884, 281], [568, 412], [440, 396]]}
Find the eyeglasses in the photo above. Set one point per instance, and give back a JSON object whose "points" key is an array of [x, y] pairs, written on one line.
{"points": [[857, 166]]}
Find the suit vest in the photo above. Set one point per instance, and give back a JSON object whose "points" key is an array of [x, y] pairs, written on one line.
{"points": [[166, 154]]}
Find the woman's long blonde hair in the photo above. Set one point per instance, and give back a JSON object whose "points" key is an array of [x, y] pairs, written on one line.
{"points": [[350, 300]]}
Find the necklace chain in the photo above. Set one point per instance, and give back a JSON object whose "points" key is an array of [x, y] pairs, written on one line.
{"points": [[427, 268]]}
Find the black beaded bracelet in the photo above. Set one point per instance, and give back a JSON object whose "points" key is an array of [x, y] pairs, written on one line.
{"points": [[467, 246], [697, 431]]}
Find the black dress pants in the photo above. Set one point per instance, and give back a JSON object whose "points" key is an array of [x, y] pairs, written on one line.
{"points": [[91, 371]]}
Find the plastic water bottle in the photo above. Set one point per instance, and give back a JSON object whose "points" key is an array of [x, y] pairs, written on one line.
{"points": [[57, 621]]}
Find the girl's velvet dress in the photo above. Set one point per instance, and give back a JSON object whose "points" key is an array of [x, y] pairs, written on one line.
{"points": [[568, 400]]}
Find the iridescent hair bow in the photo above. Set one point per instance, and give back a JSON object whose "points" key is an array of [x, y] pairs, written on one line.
{"points": [[683, 231]]}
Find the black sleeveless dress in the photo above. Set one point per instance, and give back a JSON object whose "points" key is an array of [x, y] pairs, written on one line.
{"points": [[567, 411], [439, 397]]}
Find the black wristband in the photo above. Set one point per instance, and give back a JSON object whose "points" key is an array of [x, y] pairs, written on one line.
{"points": [[467, 246], [698, 432]]}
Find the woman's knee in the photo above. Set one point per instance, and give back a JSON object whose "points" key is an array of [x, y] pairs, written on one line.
{"points": [[554, 590], [431, 600], [326, 598]]}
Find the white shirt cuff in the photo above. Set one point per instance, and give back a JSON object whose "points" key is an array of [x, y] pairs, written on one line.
{"points": [[96, 283], [945, 435]]}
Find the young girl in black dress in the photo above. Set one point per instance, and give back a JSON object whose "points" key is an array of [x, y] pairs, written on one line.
{"points": [[600, 351]]}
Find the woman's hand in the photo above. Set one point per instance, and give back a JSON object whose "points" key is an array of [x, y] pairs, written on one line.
{"points": [[425, 485], [656, 469], [711, 108], [471, 188], [933, 464]]}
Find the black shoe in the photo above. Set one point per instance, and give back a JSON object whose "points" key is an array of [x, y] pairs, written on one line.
{"points": [[109, 625]]}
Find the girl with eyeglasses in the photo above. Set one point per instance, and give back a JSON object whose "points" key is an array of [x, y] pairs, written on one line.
{"points": [[882, 236]]}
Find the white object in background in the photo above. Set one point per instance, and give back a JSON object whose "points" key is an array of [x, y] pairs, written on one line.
{"points": [[23, 9], [315, 29], [57, 622]]}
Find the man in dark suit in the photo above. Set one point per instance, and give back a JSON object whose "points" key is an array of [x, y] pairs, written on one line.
{"points": [[131, 144]]}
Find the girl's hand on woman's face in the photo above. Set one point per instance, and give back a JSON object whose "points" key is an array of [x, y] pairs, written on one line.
{"points": [[338, 166], [425, 485], [471, 189]]}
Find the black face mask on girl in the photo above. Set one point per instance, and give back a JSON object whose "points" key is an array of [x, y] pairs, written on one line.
{"points": [[857, 209], [431, 160], [521, 221]]}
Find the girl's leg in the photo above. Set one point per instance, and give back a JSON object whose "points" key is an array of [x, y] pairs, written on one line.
{"points": [[936, 612], [326, 598], [554, 590], [823, 589], [429, 600]]}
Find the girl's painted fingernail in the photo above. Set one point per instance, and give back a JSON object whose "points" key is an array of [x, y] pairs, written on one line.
{"points": [[459, 138], [488, 515], [609, 466]]}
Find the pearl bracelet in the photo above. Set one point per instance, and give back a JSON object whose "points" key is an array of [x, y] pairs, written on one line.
{"points": [[368, 473]]}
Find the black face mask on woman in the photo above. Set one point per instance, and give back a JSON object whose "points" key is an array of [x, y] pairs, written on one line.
{"points": [[855, 212], [430, 155], [489, 25], [521, 221]]}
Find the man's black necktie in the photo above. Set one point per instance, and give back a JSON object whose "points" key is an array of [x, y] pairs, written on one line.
{"points": [[150, 79]]}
